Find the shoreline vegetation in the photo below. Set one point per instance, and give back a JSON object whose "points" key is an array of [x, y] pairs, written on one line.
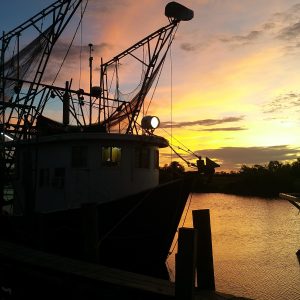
{"points": [[261, 181]]}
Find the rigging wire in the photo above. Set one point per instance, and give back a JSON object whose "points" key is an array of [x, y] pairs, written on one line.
{"points": [[157, 80], [187, 210], [70, 45], [180, 156], [160, 72], [125, 216], [171, 83], [186, 150]]}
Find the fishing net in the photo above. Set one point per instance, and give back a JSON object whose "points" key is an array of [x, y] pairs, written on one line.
{"points": [[28, 61], [133, 100]]}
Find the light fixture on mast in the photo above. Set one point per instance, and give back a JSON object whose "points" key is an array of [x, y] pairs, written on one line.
{"points": [[150, 123]]}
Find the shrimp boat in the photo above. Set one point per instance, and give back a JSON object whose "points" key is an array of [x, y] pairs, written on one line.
{"points": [[86, 187]]}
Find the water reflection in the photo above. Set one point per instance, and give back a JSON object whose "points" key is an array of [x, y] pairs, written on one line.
{"points": [[254, 245]]}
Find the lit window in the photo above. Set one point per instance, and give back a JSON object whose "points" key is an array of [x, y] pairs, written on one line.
{"points": [[142, 157], [111, 156]]}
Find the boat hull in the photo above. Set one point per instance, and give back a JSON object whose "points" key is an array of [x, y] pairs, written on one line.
{"points": [[134, 233]]}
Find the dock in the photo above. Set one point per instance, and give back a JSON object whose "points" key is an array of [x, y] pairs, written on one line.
{"points": [[27, 272], [37, 273]]}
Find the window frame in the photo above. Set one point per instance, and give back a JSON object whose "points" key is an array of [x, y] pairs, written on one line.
{"points": [[112, 159]]}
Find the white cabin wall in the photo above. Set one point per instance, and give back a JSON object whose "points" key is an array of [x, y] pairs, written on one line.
{"points": [[52, 196], [94, 183]]}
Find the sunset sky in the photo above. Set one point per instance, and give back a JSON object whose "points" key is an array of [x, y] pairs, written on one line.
{"points": [[235, 72]]}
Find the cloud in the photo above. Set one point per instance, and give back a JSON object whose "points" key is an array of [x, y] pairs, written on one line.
{"points": [[191, 47], [72, 60], [188, 47], [281, 25], [61, 48], [103, 7], [282, 103], [224, 129], [234, 157], [243, 39], [205, 122], [290, 32]]}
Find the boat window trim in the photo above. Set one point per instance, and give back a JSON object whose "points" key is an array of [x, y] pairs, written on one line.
{"points": [[79, 158], [142, 157]]}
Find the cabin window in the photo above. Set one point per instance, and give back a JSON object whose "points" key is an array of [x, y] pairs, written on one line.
{"points": [[142, 157], [111, 156], [156, 159], [44, 177], [58, 180], [79, 157]]}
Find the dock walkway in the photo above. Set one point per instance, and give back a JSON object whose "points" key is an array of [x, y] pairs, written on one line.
{"points": [[29, 272]]}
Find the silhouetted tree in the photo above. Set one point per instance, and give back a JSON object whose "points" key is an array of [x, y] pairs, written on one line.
{"points": [[295, 168], [269, 180], [172, 171]]}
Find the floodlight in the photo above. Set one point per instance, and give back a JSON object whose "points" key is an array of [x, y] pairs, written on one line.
{"points": [[150, 122]]}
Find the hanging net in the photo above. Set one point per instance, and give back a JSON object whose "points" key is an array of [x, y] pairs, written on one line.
{"points": [[27, 60], [132, 101]]}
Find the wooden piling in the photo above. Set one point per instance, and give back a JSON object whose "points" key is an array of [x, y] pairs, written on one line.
{"points": [[204, 264], [185, 264]]}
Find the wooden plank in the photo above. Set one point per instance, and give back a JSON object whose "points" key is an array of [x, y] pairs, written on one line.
{"points": [[15, 254], [53, 268]]}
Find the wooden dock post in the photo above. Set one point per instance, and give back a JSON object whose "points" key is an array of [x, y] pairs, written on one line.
{"points": [[90, 232], [185, 264], [204, 264]]}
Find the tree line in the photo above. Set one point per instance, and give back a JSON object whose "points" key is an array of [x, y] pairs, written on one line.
{"points": [[258, 180], [270, 179]]}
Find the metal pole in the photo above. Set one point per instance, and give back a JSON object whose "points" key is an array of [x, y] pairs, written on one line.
{"points": [[91, 79], [18, 57], [2, 124]]}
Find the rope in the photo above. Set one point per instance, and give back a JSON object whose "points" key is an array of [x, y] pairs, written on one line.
{"points": [[170, 45], [181, 157], [188, 150], [124, 217], [176, 241], [155, 87], [184, 219]]}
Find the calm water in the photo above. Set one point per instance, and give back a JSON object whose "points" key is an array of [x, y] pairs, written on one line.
{"points": [[254, 245]]}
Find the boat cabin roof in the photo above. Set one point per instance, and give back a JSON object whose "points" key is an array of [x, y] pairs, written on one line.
{"points": [[112, 138]]}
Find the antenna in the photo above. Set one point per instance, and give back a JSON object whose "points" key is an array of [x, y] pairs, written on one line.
{"points": [[91, 79]]}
